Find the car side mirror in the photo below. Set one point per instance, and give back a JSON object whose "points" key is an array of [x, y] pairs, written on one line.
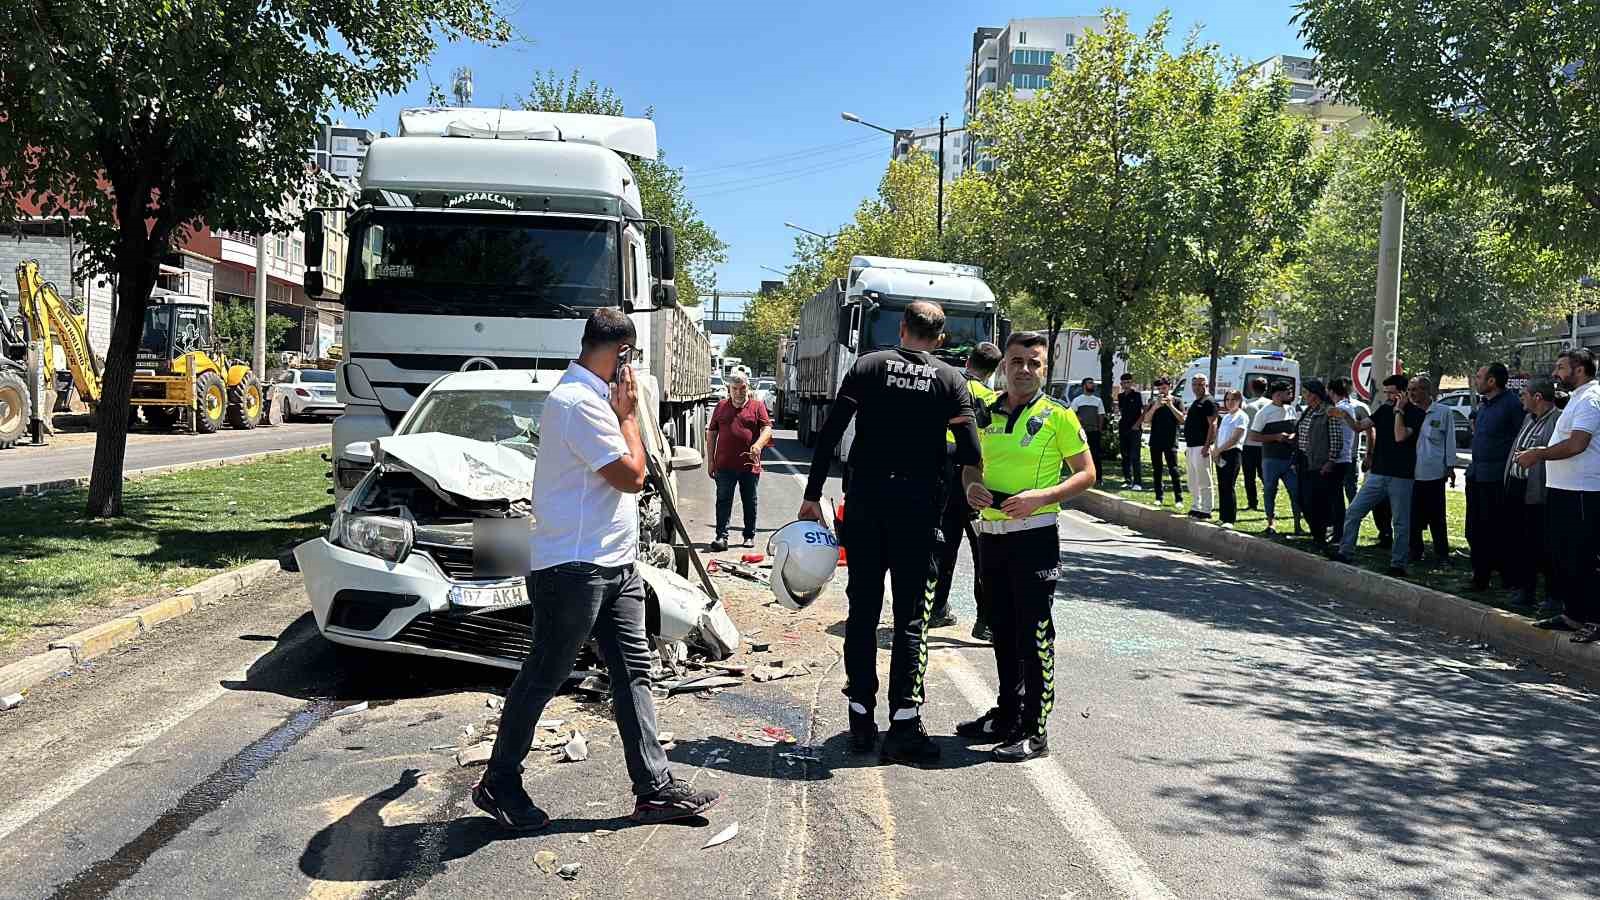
{"points": [[315, 245], [664, 295], [847, 331], [684, 457], [663, 253], [313, 283], [1002, 330]]}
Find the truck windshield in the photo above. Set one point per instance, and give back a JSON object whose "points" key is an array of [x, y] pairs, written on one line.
{"points": [[962, 331], [481, 265]]}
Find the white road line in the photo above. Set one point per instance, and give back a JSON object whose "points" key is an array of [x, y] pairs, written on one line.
{"points": [[58, 791], [1113, 857]]}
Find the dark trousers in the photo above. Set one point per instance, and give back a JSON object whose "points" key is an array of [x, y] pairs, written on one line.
{"points": [[746, 482], [1322, 498], [1487, 520], [956, 522], [893, 528], [1169, 455], [1382, 519], [1227, 477], [1523, 555], [1252, 473], [1021, 570], [1132, 455], [1572, 523], [1095, 449], [1427, 511], [571, 601]]}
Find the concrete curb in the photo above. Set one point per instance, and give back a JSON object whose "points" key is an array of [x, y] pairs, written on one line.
{"points": [[1502, 630], [69, 484], [100, 639]]}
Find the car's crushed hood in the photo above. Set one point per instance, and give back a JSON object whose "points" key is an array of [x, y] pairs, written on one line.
{"points": [[479, 477]]}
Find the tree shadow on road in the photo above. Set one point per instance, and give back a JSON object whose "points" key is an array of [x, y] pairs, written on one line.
{"points": [[1405, 743]]}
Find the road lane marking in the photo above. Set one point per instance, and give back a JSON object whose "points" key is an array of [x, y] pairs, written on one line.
{"points": [[1113, 857], [61, 789]]}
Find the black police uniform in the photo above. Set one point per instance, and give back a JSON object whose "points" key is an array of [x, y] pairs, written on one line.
{"points": [[902, 401]]}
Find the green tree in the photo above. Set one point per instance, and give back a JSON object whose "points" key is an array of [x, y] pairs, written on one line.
{"points": [[1506, 90], [1469, 285], [1244, 184], [235, 327], [150, 117], [699, 250]]}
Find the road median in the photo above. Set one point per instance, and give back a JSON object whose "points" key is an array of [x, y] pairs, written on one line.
{"points": [[1504, 630]]}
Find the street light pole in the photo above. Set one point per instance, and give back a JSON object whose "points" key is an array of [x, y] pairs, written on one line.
{"points": [[938, 227], [910, 136], [1386, 309]]}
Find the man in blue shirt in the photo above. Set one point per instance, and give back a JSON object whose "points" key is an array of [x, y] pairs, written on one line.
{"points": [[1494, 432]]}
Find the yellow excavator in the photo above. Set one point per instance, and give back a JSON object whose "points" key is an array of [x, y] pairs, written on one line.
{"points": [[179, 371]]}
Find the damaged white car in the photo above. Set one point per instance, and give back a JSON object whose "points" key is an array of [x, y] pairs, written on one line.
{"points": [[400, 570]]}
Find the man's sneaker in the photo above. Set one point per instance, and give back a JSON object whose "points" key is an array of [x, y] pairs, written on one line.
{"points": [[908, 742], [981, 632], [1339, 556], [943, 621], [1024, 748], [719, 545], [1270, 532], [749, 540], [1395, 571], [993, 725], [509, 804], [863, 732], [677, 800], [1385, 542]]}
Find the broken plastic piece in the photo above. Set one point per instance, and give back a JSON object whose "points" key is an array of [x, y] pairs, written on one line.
{"points": [[722, 837], [476, 755], [705, 682], [10, 701], [577, 749], [569, 871], [545, 860], [352, 709]]}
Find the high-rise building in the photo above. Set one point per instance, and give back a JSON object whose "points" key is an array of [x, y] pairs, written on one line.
{"points": [[341, 150], [1309, 97], [928, 142], [1018, 56]]}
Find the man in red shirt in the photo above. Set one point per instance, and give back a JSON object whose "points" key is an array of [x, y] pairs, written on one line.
{"points": [[740, 429]]}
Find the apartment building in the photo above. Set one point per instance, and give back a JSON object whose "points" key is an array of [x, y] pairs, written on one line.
{"points": [[954, 150], [1018, 56], [1310, 98]]}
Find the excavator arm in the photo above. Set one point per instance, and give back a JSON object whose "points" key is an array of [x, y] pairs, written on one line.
{"points": [[51, 320]]}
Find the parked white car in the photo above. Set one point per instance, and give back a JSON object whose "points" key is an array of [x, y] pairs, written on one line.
{"points": [[766, 390], [399, 570], [306, 392]]}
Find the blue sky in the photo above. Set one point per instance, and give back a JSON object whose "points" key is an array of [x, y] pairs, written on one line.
{"points": [[747, 96]]}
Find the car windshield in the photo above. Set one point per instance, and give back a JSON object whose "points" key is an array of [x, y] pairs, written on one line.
{"points": [[496, 265], [764, 385], [316, 376], [510, 418]]}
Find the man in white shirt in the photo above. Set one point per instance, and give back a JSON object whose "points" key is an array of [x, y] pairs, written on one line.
{"points": [[584, 544], [1572, 501], [1091, 412]]}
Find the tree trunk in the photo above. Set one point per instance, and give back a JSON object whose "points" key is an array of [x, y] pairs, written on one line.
{"points": [[135, 279], [1216, 339], [1108, 363], [1053, 327]]}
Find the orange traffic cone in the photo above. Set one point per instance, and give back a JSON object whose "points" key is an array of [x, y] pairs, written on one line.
{"points": [[838, 519]]}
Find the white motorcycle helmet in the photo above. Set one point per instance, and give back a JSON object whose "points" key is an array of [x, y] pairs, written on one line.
{"points": [[804, 557]]}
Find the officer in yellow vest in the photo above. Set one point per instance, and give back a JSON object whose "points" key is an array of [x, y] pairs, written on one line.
{"points": [[1018, 490], [957, 517]]}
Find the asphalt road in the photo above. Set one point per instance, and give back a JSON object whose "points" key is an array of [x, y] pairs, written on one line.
{"points": [[72, 455], [1215, 734]]}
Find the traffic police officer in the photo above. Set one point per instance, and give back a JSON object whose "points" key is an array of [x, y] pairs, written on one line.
{"points": [[902, 400], [1018, 490], [957, 519]]}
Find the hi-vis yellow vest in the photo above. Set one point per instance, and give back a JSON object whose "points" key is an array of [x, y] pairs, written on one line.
{"points": [[1023, 449]]}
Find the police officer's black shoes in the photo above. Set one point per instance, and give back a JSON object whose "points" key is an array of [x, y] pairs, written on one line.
{"points": [[990, 727], [508, 803], [942, 620], [673, 801], [863, 732], [908, 742], [1024, 748]]}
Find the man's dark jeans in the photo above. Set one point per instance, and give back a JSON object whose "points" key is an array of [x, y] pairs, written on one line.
{"points": [[1572, 523], [1488, 515], [569, 602], [1132, 455], [746, 482], [1428, 513], [1252, 472]]}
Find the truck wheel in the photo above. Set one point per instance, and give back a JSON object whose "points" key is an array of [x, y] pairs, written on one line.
{"points": [[13, 409], [211, 402], [244, 403], [163, 417]]}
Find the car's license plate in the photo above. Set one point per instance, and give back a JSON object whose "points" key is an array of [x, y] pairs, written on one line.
{"points": [[506, 594]]}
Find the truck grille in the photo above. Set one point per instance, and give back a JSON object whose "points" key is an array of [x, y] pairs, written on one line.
{"points": [[502, 633]]}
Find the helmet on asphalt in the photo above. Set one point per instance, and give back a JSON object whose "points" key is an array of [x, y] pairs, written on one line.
{"points": [[804, 557]]}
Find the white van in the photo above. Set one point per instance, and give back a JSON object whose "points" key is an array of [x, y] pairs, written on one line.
{"points": [[1236, 371]]}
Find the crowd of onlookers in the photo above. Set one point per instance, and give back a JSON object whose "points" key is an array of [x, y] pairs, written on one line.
{"points": [[1532, 486]]}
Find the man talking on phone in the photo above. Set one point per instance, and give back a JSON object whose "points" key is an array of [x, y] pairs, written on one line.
{"points": [[584, 581], [902, 400]]}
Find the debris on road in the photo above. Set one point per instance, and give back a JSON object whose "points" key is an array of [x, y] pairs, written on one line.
{"points": [[476, 755], [753, 558], [777, 671], [722, 837], [546, 861], [729, 668], [352, 709], [737, 570], [703, 683], [551, 723], [569, 871], [10, 701], [759, 648], [577, 749], [492, 703]]}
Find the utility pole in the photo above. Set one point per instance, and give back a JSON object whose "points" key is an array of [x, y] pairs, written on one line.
{"points": [[1386, 311], [258, 355], [938, 229]]}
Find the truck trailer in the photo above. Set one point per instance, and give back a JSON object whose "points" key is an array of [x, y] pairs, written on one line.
{"points": [[862, 313]]}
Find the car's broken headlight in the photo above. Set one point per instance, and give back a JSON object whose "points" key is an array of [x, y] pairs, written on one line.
{"points": [[386, 537]]}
